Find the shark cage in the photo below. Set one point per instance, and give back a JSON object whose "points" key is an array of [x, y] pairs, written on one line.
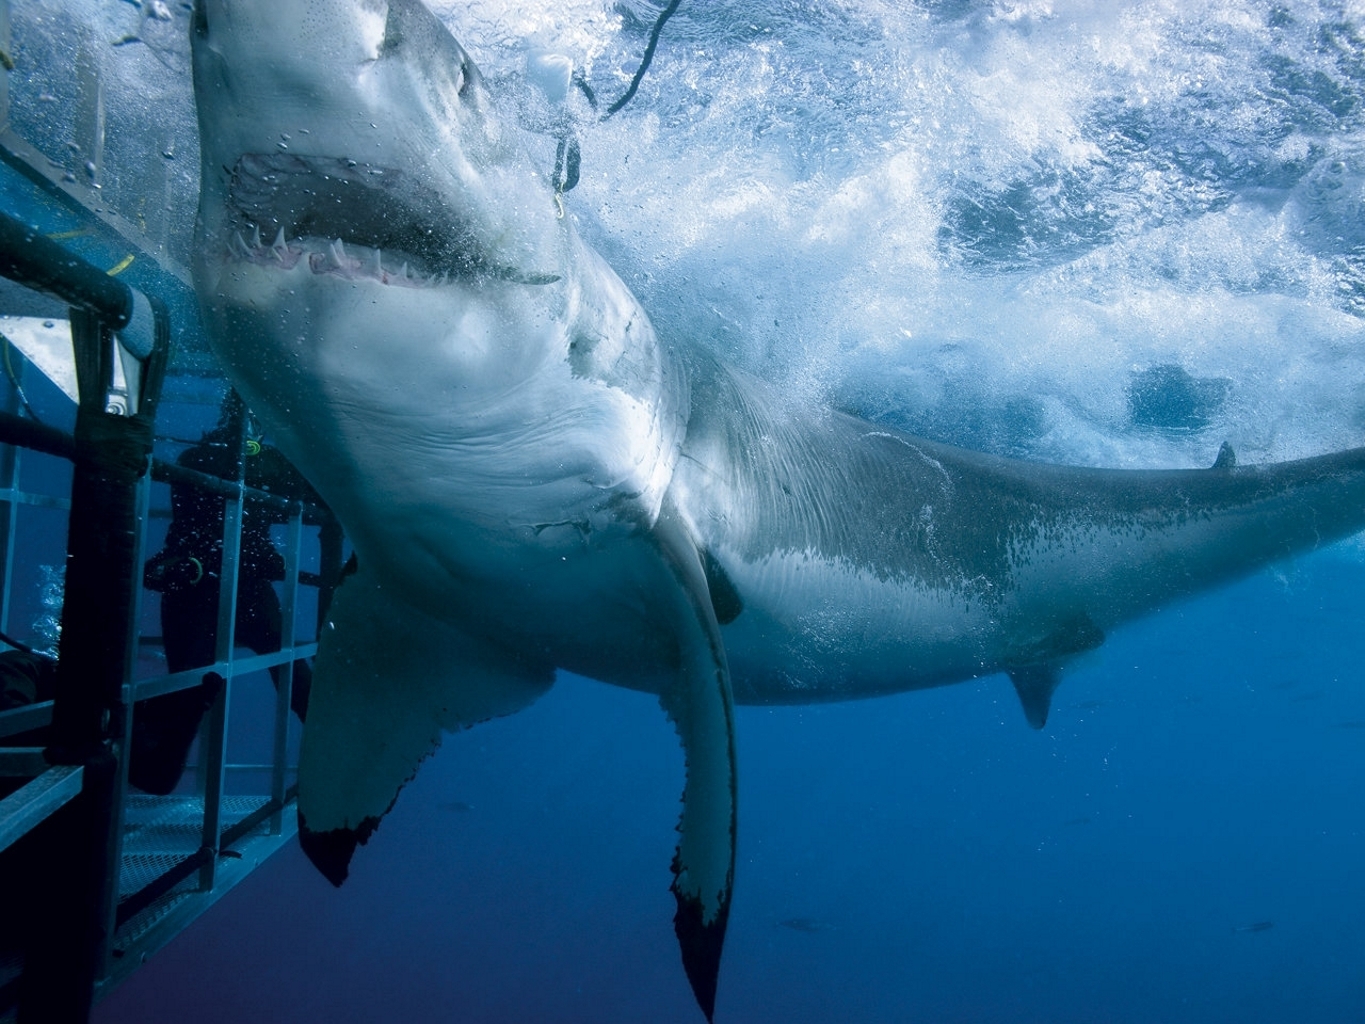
{"points": [[108, 391]]}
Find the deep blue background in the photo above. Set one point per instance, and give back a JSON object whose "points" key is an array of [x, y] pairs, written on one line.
{"points": [[1184, 842], [922, 857]]}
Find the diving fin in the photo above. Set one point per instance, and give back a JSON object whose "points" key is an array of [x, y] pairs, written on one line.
{"points": [[388, 680], [701, 706]]}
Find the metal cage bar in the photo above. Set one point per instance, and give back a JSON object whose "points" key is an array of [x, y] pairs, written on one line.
{"points": [[91, 823], [284, 693], [213, 739]]}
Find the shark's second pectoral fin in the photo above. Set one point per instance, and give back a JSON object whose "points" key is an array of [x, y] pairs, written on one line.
{"points": [[388, 680], [701, 706]]}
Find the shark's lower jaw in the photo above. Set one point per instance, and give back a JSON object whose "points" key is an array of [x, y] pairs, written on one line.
{"points": [[352, 220]]}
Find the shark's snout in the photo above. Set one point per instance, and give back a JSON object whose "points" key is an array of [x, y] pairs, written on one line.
{"points": [[326, 115]]}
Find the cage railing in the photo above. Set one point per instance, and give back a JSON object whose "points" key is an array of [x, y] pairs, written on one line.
{"points": [[98, 924]]}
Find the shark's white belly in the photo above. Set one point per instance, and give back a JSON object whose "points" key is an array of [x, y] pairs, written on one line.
{"points": [[510, 500], [815, 628]]}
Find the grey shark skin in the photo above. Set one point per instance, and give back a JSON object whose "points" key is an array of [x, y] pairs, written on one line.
{"points": [[533, 482]]}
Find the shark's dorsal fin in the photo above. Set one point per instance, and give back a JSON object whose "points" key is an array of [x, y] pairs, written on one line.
{"points": [[700, 703], [390, 679], [1227, 458], [1035, 685]]}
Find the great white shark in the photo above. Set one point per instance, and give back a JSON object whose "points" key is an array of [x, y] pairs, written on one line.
{"points": [[533, 481]]}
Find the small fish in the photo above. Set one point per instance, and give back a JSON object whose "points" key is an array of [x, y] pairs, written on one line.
{"points": [[1256, 926], [805, 925]]}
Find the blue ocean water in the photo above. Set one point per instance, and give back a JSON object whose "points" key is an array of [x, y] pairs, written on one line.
{"points": [[1180, 844], [1060, 229]]}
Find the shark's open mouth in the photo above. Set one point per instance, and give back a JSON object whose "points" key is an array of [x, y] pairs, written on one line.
{"points": [[353, 220]]}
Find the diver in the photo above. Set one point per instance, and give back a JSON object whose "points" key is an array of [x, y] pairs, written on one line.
{"points": [[186, 574]]}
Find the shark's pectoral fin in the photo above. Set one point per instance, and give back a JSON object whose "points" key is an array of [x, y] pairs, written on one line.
{"points": [[1039, 671], [701, 706], [388, 679]]}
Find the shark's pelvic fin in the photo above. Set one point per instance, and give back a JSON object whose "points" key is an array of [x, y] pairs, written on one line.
{"points": [[701, 705], [1037, 676], [1035, 685], [389, 680]]}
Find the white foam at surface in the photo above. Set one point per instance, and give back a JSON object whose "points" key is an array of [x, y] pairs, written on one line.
{"points": [[884, 204]]}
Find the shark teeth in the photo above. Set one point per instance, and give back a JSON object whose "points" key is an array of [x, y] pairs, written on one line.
{"points": [[333, 256], [358, 262], [279, 252]]}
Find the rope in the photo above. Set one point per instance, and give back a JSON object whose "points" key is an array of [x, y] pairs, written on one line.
{"points": [[568, 158], [19, 645], [14, 380], [644, 64]]}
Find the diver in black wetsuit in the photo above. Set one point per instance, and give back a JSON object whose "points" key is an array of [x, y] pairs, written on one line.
{"points": [[186, 573]]}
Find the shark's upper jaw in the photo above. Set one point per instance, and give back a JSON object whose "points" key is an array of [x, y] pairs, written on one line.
{"points": [[283, 208], [365, 123]]}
